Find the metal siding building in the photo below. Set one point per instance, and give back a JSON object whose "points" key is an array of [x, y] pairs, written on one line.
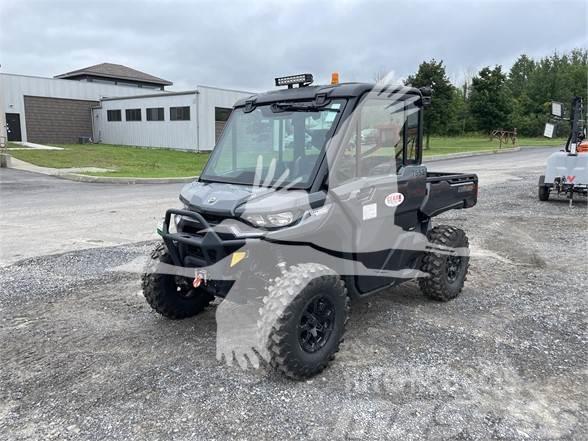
{"points": [[198, 133], [166, 133], [14, 89]]}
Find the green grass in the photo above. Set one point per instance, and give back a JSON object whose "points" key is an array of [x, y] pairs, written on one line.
{"points": [[459, 144], [141, 162], [126, 161]]}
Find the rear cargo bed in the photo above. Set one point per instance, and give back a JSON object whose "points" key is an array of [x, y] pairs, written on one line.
{"points": [[447, 191]]}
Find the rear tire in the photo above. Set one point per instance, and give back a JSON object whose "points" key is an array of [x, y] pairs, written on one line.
{"points": [[543, 189], [170, 295], [304, 319], [447, 273]]}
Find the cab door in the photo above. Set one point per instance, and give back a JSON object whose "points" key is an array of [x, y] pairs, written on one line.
{"points": [[377, 189]]}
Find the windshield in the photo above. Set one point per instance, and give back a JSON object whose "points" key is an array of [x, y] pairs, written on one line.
{"points": [[273, 145]]}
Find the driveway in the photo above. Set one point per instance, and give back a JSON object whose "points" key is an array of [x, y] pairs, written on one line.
{"points": [[84, 357], [43, 215]]}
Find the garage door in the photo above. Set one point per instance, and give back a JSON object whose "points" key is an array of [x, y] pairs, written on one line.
{"points": [[57, 120]]}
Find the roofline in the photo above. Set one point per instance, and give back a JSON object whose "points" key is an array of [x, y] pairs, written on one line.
{"points": [[65, 76], [151, 95], [341, 90], [61, 79]]}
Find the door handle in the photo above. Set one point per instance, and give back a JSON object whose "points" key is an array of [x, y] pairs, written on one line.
{"points": [[365, 193]]}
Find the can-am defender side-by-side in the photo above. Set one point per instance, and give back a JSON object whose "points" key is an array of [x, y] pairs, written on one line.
{"points": [[567, 170], [314, 195]]}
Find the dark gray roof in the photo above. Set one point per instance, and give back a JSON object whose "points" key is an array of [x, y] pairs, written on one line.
{"points": [[109, 70], [343, 90]]}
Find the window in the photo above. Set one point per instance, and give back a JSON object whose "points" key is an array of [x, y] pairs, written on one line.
{"points": [[270, 146], [133, 114], [221, 114], [179, 113], [381, 138], [155, 114], [113, 115]]}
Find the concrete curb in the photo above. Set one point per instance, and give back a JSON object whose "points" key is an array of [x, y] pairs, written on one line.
{"points": [[435, 158], [128, 181], [18, 164]]}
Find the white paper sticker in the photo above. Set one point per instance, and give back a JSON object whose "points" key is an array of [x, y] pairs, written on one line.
{"points": [[394, 199], [370, 211]]}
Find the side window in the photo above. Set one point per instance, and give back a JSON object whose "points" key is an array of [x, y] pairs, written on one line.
{"points": [[412, 133], [381, 124], [374, 142]]}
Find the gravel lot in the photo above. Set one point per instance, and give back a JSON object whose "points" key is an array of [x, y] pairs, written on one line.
{"points": [[84, 357]]}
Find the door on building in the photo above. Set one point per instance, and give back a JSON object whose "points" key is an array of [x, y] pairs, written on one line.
{"points": [[13, 126], [221, 115]]}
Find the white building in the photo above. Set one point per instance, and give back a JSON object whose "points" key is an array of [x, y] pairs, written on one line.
{"points": [[113, 104], [191, 120], [41, 109]]}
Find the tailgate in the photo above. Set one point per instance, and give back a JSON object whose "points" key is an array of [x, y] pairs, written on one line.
{"points": [[447, 191]]}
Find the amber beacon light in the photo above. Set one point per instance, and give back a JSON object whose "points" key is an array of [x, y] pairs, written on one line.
{"points": [[335, 78]]}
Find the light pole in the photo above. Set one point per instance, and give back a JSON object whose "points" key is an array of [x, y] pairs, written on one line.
{"points": [[3, 133], [4, 158]]}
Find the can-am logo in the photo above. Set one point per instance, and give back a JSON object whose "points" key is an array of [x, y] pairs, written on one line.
{"points": [[394, 199], [211, 200]]}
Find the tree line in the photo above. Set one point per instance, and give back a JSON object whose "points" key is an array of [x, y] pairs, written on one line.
{"points": [[497, 99]]}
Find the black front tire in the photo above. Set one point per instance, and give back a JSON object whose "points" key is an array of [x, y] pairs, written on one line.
{"points": [[303, 288], [170, 295], [446, 273]]}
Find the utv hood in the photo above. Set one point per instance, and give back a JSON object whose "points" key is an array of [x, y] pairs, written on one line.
{"points": [[229, 199], [217, 197]]}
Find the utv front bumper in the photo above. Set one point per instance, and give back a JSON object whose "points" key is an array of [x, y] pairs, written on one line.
{"points": [[199, 245]]}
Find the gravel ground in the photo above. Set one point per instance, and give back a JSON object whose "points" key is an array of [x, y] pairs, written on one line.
{"points": [[83, 356]]}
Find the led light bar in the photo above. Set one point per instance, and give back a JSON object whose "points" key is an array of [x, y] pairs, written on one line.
{"points": [[301, 79]]}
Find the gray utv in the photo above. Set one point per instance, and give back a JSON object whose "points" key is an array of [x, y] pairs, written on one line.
{"points": [[314, 195]]}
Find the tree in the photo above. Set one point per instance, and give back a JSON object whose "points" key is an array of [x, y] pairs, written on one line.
{"points": [[432, 74], [534, 84], [520, 76], [490, 100]]}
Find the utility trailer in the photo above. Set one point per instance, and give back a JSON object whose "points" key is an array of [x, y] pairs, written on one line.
{"points": [[567, 170]]}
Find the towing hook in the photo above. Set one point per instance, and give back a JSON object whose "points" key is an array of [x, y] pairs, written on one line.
{"points": [[199, 279]]}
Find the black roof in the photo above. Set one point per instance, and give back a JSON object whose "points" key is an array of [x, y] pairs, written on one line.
{"points": [[308, 93]]}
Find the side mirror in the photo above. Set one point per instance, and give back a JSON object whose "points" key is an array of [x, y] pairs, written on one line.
{"points": [[426, 93], [556, 109], [549, 129]]}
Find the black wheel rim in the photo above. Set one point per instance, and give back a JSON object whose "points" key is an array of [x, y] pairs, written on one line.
{"points": [[316, 324], [184, 288], [453, 268]]}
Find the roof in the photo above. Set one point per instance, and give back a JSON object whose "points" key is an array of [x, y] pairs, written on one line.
{"points": [[343, 90], [162, 94], [109, 70]]}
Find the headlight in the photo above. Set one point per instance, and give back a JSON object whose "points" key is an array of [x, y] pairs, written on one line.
{"points": [[271, 220], [280, 219], [256, 219]]}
